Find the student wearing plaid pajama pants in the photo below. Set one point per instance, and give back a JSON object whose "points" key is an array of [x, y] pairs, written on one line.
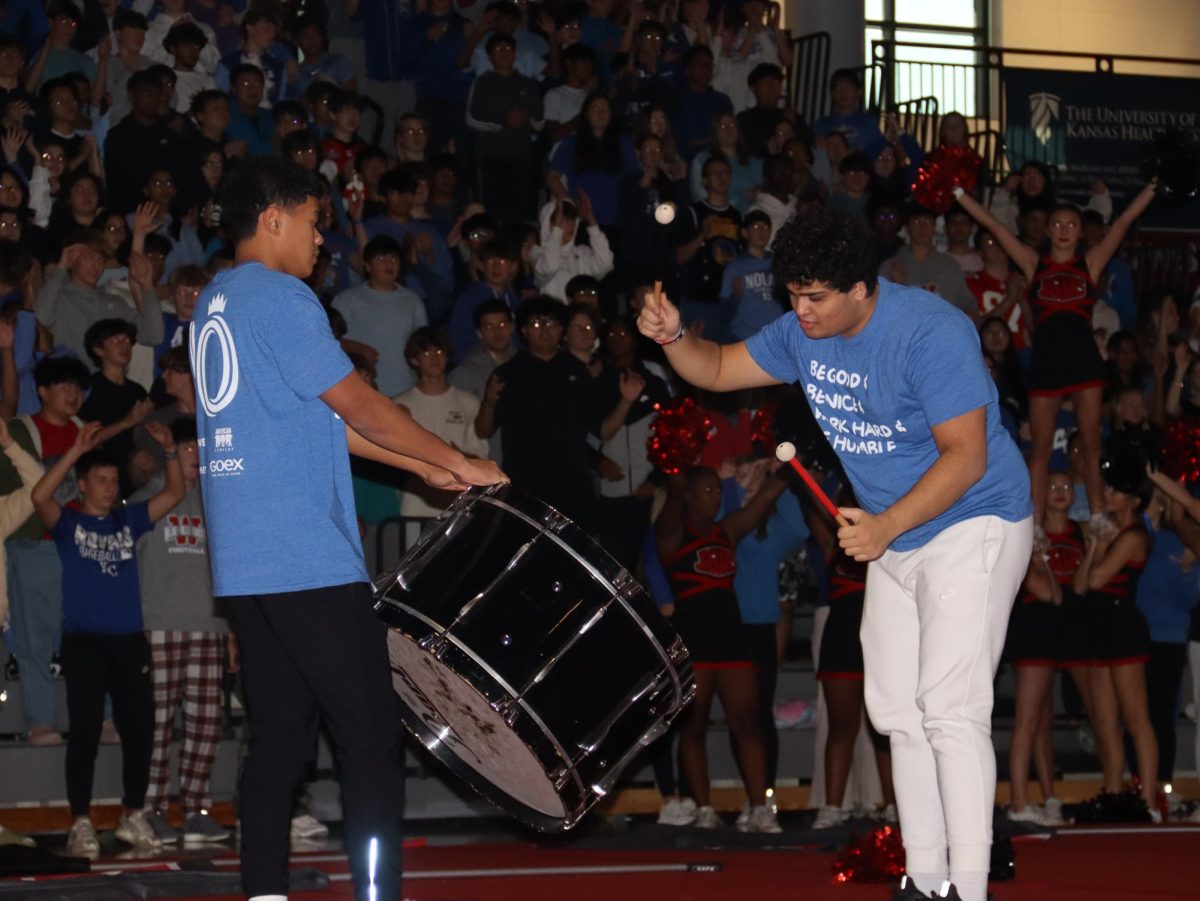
{"points": [[187, 652]]}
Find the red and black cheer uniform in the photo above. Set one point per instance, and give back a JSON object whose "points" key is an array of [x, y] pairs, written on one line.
{"points": [[841, 649], [1041, 633], [706, 609], [1120, 633], [1065, 356]]}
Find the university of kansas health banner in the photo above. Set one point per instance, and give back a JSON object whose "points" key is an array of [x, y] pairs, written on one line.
{"points": [[1099, 125]]}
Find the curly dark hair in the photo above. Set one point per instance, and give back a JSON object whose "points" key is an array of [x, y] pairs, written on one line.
{"points": [[827, 246]]}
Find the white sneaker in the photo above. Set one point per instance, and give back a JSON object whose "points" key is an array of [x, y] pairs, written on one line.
{"points": [[830, 816], [761, 819], [743, 818], [1030, 814], [82, 840], [1053, 809], [308, 826], [706, 818], [677, 812], [133, 829], [1195, 816]]}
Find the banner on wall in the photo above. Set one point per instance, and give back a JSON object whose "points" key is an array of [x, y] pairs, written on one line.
{"points": [[1098, 125]]}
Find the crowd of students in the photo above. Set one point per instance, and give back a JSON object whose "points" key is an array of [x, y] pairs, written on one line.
{"points": [[491, 225]]}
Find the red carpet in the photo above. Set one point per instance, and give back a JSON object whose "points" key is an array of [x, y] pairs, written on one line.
{"points": [[1069, 868], [1149, 863]]}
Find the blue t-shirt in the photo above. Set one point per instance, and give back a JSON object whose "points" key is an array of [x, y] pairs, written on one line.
{"points": [[1167, 591], [916, 364], [756, 581], [600, 187], [99, 569], [275, 469], [757, 306]]}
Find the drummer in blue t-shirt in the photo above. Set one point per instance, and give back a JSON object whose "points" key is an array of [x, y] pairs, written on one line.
{"points": [[279, 410], [895, 378]]}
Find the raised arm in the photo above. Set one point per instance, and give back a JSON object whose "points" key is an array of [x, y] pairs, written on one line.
{"points": [[16, 506], [713, 367], [742, 522], [1101, 563], [631, 385], [1097, 257], [175, 488], [1022, 254], [42, 495]]}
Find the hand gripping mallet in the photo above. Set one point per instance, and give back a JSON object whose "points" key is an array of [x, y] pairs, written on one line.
{"points": [[785, 452]]}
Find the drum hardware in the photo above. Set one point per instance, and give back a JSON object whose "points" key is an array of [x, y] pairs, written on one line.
{"points": [[433, 642], [595, 574], [514, 638], [591, 742], [424, 548]]}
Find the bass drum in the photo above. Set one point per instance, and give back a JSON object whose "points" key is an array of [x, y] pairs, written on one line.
{"points": [[526, 659]]}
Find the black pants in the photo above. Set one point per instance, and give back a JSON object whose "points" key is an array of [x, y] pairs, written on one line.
{"points": [[96, 666], [766, 657], [309, 656], [1164, 673]]}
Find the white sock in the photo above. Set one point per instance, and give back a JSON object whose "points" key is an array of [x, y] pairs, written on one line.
{"points": [[971, 886], [927, 882]]}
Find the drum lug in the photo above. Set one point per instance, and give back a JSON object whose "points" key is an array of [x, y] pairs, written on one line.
{"points": [[553, 521]]}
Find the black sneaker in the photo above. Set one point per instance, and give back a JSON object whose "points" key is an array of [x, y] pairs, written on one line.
{"points": [[950, 893], [908, 891], [12, 672]]}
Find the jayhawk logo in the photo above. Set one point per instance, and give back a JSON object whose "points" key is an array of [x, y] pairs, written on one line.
{"points": [[715, 561]]}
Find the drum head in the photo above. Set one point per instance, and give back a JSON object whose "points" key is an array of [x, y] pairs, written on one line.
{"points": [[461, 729]]}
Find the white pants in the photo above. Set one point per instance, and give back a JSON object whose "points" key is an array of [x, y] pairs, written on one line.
{"points": [[933, 628]]}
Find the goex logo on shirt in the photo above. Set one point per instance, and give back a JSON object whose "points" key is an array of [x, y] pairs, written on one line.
{"points": [[226, 467], [215, 363]]}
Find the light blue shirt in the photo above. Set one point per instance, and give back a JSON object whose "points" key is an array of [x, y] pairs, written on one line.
{"points": [[275, 469], [756, 306], [876, 395]]}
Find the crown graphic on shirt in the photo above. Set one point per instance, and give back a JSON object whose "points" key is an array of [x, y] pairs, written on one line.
{"points": [[217, 304]]}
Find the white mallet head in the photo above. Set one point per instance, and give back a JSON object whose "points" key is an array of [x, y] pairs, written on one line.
{"points": [[664, 213], [785, 451]]}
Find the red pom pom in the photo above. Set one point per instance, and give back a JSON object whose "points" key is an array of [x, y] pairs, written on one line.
{"points": [[1181, 449], [678, 435], [944, 170], [762, 426], [875, 857]]}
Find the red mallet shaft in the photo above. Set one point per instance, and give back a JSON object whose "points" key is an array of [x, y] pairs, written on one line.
{"points": [[785, 452]]}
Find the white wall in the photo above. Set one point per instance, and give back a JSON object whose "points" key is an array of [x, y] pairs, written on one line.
{"points": [[1169, 28]]}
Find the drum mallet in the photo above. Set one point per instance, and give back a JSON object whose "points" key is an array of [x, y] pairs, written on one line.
{"points": [[664, 215], [785, 452]]}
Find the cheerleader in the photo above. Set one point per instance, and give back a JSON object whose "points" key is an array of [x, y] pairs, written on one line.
{"points": [[1066, 361], [1119, 635], [1036, 631], [698, 555]]}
